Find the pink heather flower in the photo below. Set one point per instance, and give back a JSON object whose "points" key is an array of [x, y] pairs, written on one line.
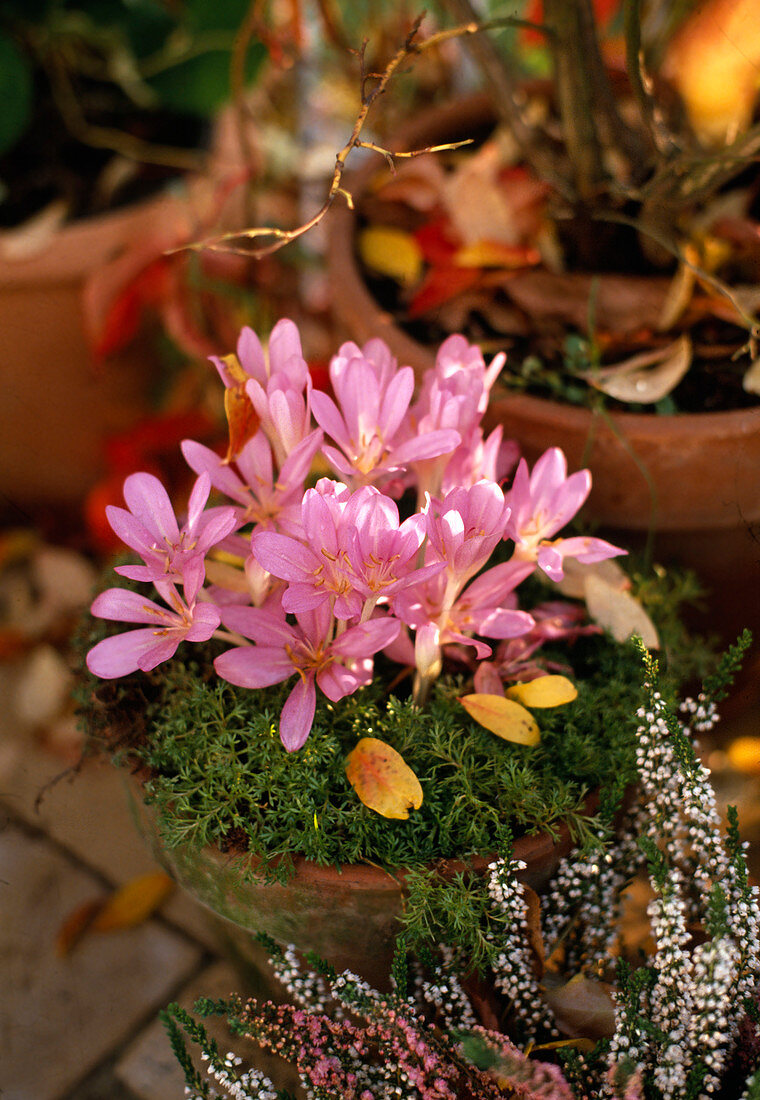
{"points": [[338, 666], [265, 499], [151, 529], [144, 649], [541, 504], [367, 421]]}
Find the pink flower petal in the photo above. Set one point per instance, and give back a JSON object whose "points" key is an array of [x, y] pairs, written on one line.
{"points": [[254, 666], [129, 652], [297, 715], [149, 501]]}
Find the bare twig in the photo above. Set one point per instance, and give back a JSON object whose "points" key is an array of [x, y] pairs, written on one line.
{"points": [[108, 137], [373, 86], [663, 140]]}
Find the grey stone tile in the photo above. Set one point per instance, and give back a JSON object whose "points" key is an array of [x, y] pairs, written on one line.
{"points": [[89, 814], [60, 1017]]}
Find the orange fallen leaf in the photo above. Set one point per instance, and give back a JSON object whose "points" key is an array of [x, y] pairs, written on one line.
{"points": [[440, 285], [76, 925], [504, 717], [382, 779], [133, 903], [544, 691], [744, 755]]}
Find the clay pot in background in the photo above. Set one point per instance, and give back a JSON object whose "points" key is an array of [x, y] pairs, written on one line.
{"points": [[700, 495]]}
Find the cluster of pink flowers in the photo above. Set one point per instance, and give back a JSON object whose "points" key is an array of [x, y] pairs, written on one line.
{"points": [[313, 582]]}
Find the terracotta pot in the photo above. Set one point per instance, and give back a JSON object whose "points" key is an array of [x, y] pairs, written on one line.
{"points": [[348, 914], [693, 479], [58, 405]]}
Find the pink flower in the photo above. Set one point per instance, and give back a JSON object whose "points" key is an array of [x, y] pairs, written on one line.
{"points": [[541, 504], [150, 528], [264, 499], [482, 608], [465, 528], [367, 421], [338, 666], [554, 620], [277, 386], [353, 552], [144, 649]]}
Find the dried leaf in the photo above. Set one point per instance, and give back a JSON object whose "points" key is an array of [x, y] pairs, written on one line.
{"points": [[503, 717], [645, 378], [622, 304], [533, 927], [583, 1007], [392, 252], [133, 903], [76, 925], [678, 297], [578, 1043], [242, 420], [744, 755], [382, 779], [34, 235], [497, 254], [544, 691], [573, 583], [619, 612], [751, 380], [439, 286]]}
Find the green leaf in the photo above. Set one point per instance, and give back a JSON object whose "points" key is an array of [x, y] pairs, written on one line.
{"points": [[15, 93], [201, 84]]}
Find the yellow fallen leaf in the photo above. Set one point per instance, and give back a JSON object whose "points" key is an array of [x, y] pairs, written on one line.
{"points": [[382, 779], [392, 252], [619, 612], [504, 717], [133, 903], [744, 755], [544, 691]]}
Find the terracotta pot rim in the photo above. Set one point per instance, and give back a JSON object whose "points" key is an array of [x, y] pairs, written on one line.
{"points": [[77, 247], [530, 848], [375, 321]]}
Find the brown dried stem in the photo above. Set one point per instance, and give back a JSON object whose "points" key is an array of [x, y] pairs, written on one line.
{"points": [[109, 137], [373, 85]]}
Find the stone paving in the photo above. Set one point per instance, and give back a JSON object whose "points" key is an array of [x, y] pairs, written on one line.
{"points": [[84, 1026]]}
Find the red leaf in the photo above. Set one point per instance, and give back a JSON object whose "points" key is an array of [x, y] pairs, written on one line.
{"points": [[436, 241], [440, 285]]}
